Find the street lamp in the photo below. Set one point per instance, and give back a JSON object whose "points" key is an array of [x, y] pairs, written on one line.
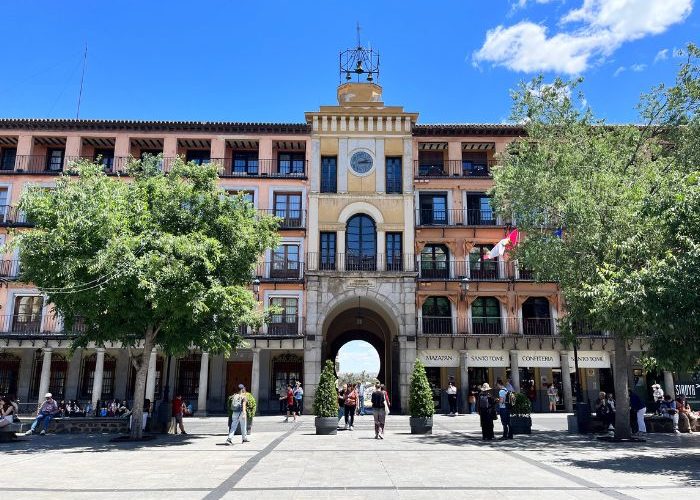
{"points": [[463, 288], [256, 288]]}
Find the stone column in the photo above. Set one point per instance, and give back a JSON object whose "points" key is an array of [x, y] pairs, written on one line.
{"points": [[97, 378], [464, 380], [203, 385], [566, 382], [255, 378], [668, 384], [515, 370], [45, 374], [312, 369], [151, 378]]}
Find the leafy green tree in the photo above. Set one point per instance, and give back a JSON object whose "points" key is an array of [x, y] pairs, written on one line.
{"points": [[163, 259], [420, 397], [597, 203], [326, 398]]}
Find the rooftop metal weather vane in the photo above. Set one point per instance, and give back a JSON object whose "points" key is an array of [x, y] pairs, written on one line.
{"points": [[358, 62]]}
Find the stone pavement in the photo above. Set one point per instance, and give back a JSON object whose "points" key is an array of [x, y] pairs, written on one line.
{"points": [[289, 461]]}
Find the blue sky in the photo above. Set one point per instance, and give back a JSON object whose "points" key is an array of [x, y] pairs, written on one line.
{"points": [[451, 61], [358, 355]]}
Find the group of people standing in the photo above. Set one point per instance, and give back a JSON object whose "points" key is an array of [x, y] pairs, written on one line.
{"points": [[351, 400], [292, 400], [492, 406]]}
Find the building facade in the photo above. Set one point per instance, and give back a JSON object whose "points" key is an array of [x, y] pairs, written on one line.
{"points": [[384, 224]]}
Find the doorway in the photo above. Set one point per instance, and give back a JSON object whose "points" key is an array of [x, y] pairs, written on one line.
{"points": [[238, 372]]}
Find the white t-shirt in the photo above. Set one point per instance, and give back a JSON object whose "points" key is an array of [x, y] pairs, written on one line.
{"points": [[452, 390]]}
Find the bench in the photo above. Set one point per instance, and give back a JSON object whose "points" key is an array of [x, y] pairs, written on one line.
{"points": [[9, 432], [78, 425]]}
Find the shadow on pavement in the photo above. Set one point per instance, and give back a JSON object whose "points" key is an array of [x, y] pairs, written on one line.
{"points": [[82, 443], [685, 465]]}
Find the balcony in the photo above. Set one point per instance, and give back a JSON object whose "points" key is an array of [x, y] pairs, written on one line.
{"points": [[280, 271], [288, 218], [262, 168], [34, 325], [426, 169], [457, 217], [378, 263], [13, 216], [456, 270], [280, 326], [9, 270], [512, 326]]}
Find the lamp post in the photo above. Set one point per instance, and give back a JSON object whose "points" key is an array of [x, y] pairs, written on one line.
{"points": [[256, 288], [464, 288], [583, 413]]}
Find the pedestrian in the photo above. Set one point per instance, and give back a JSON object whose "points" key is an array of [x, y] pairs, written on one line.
{"points": [[350, 406], [505, 404], [552, 395], [487, 412], [299, 397], [473, 394], [509, 385], [637, 411], [341, 402], [686, 415], [178, 408], [237, 407], [452, 397], [291, 404], [669, 410], [604, 411], [8, 411], [282, 393], [360, 399], [658, 395], [46, 412], [380, 403]]}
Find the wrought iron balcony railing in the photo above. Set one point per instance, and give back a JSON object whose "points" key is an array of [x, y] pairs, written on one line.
{"points": [[280, 270], [457, 217], [452, 168], [439, 325], [349, 262]]}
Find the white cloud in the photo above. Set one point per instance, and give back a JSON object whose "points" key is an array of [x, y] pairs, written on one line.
{"points": [[661, 55], [599, 28], [521, 4], [638, 68], [619, 70]]}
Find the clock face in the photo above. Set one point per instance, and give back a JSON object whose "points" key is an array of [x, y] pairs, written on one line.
{"points": [[361, 162]]}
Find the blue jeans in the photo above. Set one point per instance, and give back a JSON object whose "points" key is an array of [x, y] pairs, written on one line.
{"points": [[236, 418], [472, 407], [362, 406], [46, 417], [505, 422]]}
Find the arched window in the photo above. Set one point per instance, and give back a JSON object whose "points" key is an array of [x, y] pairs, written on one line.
{"points": [[486, 316], [537, 320], [361, 244], [434, 262], [9, 373], [57, 380], [480, 267], [437, 316], [88, 377]]}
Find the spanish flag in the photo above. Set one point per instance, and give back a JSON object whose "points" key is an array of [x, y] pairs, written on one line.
{"points": [[506, 243]]}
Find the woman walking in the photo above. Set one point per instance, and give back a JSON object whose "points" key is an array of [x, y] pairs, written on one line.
{"points": [[350, 406], [380, 403], [487, 412], [452, 397]]}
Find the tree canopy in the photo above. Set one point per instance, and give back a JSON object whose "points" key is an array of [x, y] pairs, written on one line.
{"points": [[158, 259]]}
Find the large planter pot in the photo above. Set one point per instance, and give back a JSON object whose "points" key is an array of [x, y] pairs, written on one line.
{"points": [[421, 425], [521, 425], [326, 426]]}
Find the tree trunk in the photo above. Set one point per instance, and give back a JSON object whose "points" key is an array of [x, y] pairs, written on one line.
{"points": [[140, 386], [623, 429]]}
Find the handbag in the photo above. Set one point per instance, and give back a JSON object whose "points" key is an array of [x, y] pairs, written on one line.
{"points": [[386, 405]]}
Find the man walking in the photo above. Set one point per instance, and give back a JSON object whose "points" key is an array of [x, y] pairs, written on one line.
{"points": [[178, 413], [47, 411], [504, 407], [237, 404]]}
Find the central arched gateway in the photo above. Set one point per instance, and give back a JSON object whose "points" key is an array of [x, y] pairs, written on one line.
{"points": [[362, 318]]}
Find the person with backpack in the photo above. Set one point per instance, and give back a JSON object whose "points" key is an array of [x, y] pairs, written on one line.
{"points": [[237, 410], [487, 412], [350, 406], [506, 401]]}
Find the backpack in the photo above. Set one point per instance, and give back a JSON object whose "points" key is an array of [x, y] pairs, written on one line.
{"points": [[236, 403], [510, 399], [484, 402]]}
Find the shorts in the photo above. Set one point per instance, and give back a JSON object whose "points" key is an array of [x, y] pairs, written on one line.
{"points": [[178, 418], [552, 399]]}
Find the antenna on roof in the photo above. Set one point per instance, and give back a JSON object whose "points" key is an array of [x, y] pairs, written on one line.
{"points": [[82, 78], [359, 44]]}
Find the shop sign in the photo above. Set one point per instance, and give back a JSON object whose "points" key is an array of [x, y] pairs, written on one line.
{"points": [[442, 357], [688, 385], [590, 359], [539, 359], [488, 359]]}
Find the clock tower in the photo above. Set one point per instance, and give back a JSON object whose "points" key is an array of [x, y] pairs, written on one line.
{"points": [[360, 265]]}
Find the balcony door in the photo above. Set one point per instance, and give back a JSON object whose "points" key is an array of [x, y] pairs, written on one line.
{"points": [[434, 262], [486, 316], [433, 209], [54, 160], [285, 262], [285, 320], [288, 208], [27, 314], [361, 244], [437, 316], [479, 211]]}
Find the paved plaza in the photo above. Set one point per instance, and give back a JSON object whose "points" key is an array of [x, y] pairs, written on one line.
{"points": [[290, 461]]}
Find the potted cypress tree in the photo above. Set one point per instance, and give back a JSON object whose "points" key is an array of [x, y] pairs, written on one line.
{"points": [[520, 420], [420, 402], [326, 402]]}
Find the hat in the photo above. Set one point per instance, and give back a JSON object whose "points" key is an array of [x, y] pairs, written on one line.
{"points": [[241, 386], [655, 386], [48, 395], [486, 387]]}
